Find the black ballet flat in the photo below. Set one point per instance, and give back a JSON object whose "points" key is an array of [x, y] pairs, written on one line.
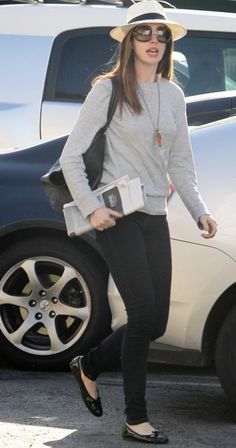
{"points": [[156, 437], [93, 405]]}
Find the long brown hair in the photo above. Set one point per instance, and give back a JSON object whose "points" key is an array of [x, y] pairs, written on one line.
{"points": [[124, 70]]}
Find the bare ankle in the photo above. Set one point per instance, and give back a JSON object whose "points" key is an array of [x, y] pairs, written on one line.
{"points": [[90, 385], [144, 428]]}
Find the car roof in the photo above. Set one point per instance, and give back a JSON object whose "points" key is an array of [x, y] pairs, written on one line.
{"points": [[39, 19]]}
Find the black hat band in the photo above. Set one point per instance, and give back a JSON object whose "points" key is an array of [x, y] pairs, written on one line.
{"points": [[150, 16]]}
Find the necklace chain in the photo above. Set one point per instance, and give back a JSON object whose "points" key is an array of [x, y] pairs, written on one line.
{"points": [[156, 127]]}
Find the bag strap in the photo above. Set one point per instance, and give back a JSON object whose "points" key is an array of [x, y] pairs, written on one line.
{"points": [[113, 102]]}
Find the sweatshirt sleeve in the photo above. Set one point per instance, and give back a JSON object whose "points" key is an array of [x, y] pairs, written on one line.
{"points": [[93, 116], [181, 167]]}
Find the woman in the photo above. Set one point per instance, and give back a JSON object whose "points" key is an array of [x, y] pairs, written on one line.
{"points": [[148, 137]]}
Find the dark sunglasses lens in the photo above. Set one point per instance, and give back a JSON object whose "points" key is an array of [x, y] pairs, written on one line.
{"points": [[142, 34], [163, 35]]}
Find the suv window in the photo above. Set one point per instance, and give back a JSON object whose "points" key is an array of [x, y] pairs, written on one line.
{"points": [[204, 62], [230, 68], [208, 62], [76, 58]]}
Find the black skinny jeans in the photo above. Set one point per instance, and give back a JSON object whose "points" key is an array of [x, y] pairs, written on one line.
{"points": [[137, 252]]}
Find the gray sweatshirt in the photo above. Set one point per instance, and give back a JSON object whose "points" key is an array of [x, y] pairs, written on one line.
{"points": [[132, 149]]}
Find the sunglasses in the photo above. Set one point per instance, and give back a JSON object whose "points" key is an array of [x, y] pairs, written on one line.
{"points": [[145, 33]]}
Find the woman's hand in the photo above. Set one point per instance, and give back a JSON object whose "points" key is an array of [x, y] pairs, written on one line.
{"points": [[102, 218], [209, 225]]}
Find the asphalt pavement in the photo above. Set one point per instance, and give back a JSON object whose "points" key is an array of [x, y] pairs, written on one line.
{"points": [[44, 409]]}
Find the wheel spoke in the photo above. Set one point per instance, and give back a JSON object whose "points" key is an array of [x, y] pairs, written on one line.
{"points": [[18, 335], [56, 344], [68, 274], [29, 268], [14, 300], [82, 313]]}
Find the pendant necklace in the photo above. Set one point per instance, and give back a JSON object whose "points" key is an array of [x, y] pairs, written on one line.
{"points": [[156, 127]]}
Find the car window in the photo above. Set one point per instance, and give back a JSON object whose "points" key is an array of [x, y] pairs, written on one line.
{"points": [[77, 56], [207, 62], [230, 68], [204, 62]]}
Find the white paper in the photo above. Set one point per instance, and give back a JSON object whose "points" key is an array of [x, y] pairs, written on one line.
{"points": [[123, 192]]}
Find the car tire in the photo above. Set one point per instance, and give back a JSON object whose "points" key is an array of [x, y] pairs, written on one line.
{"points": [[225, 357], [53, 302]]}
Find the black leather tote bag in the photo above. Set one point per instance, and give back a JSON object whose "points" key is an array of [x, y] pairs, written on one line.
{"points": [[54, 182]]}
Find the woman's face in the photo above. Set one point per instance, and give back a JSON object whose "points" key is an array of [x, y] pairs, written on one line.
{"points": [[149, 43]]}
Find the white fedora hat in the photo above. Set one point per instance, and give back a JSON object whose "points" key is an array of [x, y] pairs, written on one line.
{"points": [[143, 12]]}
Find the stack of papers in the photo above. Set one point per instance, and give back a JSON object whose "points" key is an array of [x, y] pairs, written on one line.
{"points": [[123, 195]]}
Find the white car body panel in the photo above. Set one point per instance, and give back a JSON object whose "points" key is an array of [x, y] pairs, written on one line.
{"points": [[21, 97], [211, 167], [61, 116], [190, 305]]}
